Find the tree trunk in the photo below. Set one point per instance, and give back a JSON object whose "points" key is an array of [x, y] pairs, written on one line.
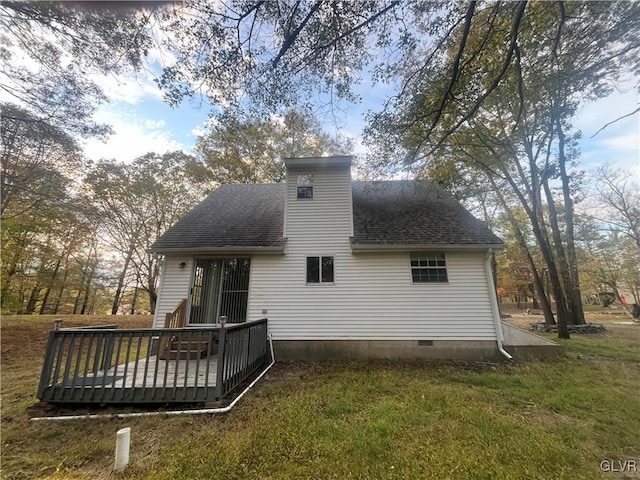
{"points": [[123, 274], [76, 304], [87, 290], [534, 304], [556, 286], [151, 287], [56, 305], [134, 300], [574, 295], [533, 211], [535, 214], [561, 257], [43, 307], [537, 280], [33, 298]]}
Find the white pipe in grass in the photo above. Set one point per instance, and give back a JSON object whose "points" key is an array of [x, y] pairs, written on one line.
{"points": [[169, 412], [123, 442]]}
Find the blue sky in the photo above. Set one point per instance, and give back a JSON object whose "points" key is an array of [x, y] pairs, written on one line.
{"points": [[144, 123]]}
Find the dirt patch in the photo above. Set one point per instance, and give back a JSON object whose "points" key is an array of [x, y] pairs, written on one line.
{"points": [[287, 371]]}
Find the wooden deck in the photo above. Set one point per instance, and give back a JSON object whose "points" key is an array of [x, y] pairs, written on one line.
{"points": [[156, 372], [166, 365]]}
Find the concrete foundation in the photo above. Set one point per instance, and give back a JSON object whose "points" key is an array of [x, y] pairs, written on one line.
{"points": [[522, 345], [324, 350]]}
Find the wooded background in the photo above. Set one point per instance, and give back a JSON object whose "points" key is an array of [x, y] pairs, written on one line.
{"points": [[485, 95]]}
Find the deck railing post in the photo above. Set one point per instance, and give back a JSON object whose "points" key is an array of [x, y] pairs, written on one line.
{"points": [[220, 366], [108, 352], [47, 365]]}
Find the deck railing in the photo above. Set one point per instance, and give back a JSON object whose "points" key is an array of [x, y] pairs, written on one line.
{"points": [[97, 365], [245, 349]]}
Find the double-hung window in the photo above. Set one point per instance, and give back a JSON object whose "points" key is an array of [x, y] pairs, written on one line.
{"points": [[319, 269], [428, 267], [305, 186]]}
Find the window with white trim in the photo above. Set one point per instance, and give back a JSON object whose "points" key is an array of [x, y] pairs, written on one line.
{"points": [[319, 269], [428, 267], [305, 186]]}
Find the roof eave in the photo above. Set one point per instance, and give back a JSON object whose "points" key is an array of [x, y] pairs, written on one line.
{"points": [[226, 250], [338, 160], [395, 247]]}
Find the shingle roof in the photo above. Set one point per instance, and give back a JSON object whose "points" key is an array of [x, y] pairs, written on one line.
{"points": [[413, 213], [385, 213], [240, 215]]}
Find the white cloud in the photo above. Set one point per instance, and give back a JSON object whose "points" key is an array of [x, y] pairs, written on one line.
{"points": [[133, 137], [198, 132], [630, 141], [618, 144], [130, 89], [154, 124], [594, 115]]}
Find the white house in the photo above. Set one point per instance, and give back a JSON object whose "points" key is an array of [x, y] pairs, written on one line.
{"points": [[341, 269]]}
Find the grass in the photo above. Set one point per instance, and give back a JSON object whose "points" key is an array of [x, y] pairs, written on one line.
{"points": [[387, 420]]}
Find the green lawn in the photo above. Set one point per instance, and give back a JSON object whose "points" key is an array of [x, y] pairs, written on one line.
{"points": [[404, 420]]}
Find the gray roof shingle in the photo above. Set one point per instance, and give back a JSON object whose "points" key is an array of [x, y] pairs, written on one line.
{"points": [[239, 215], [413, 212], [385, 213]]}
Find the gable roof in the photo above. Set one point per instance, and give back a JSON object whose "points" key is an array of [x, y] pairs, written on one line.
{"points": [[238, 216], [414, 212], [386, 214]]}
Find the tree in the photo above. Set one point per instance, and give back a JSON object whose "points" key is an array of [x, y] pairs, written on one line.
{"points": [[519, 132], [610, 260], [50, 50], [618, 198], [33, 153], [251, 150], [137, 203], [43, 215], [223, 52]]}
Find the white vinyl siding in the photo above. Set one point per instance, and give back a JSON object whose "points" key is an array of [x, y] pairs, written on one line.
{"points": [[373, 296], [174, 286], [373, 299]]}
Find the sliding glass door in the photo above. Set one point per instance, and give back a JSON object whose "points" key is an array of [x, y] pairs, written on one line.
{"points": [[220, 288]]}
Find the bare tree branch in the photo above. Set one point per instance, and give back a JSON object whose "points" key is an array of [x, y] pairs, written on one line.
{"points": [[616, 120], [290, 39]]}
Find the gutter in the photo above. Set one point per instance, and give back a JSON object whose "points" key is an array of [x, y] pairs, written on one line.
{"points": [[494, 306], [170, 412], [398, 247]]}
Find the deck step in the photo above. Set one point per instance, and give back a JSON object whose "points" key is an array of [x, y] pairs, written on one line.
{"points": [[188, 345], [184, 354], [185, 349]]}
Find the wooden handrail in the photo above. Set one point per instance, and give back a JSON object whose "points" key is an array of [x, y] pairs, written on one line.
{"points": [[175, 319], [178, 317]]}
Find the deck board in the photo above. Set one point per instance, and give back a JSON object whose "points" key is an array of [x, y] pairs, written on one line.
{"points": [[177, 374]]}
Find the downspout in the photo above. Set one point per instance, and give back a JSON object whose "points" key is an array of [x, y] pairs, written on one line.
{"points": [[494, 306], [170, 412]]}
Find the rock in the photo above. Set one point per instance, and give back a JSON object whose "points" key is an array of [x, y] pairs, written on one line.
{"points": [[587, 328]]}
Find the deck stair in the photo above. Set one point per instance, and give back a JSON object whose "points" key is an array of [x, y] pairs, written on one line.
{"points": [[185, 349]]}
